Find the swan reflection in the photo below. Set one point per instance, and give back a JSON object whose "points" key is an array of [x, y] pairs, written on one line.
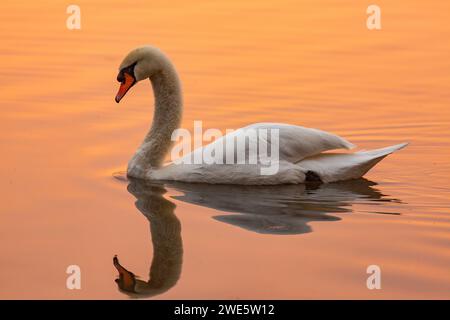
{"points": [[165, 229], [285, 209], [279, 210]]}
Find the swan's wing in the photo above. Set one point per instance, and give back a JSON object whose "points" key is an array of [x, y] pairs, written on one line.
{"points": [[297, 143], [294, 143]]}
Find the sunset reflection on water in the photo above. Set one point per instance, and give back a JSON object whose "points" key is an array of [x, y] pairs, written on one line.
{"points": [[310, 63]]}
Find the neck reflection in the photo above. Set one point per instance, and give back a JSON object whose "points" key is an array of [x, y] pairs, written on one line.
{"points": [[165, 229]]}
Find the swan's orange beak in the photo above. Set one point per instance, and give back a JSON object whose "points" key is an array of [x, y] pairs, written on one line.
{"points": [[127, 280], [125, 85]]}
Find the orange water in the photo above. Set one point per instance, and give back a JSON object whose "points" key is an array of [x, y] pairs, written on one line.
{"points": [[311, 63]]}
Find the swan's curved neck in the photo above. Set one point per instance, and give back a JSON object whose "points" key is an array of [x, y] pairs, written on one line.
{"points": [[166, 118]]}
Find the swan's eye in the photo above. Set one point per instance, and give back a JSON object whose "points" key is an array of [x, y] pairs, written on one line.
{"points": [[129, 70], [121, 77]]}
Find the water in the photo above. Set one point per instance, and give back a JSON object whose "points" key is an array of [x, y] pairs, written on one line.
{"points": [[310, 63]]}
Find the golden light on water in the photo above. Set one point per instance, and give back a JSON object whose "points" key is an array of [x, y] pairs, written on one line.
{"points": [[310, 63]]}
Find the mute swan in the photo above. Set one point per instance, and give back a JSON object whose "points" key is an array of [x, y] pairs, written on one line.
{"points": [[301, 158]]}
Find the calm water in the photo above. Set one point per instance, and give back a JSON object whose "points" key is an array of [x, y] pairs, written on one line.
{"points": [[311, 63]]}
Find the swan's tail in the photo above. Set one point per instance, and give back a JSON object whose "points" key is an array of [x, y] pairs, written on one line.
{"points": [[332, 167]]}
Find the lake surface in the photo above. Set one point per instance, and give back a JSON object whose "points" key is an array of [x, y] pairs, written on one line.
{"points": [[312, 63]]}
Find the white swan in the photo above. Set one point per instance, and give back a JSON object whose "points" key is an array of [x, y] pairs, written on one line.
{"points": [[301, 157]]}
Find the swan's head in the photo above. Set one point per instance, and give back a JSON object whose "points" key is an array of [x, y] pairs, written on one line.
{"points": [[130, 285], [141, 63]]}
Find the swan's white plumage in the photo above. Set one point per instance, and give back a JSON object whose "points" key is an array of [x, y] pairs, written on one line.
{"points": [[345, 166], [300, 149], [330, 167], [295, 142]]}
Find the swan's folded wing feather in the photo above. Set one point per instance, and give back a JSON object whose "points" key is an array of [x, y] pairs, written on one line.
{"points": [[297, 143], [294, 143]]}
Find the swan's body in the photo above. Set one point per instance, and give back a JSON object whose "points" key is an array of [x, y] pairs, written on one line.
{"points": [[301, 158]]}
